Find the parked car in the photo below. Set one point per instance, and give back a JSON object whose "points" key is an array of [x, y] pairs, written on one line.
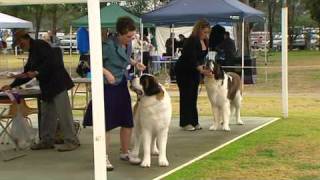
{"points": [[65, 44], [298, 42]]}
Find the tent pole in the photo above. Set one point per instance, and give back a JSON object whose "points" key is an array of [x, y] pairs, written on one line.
{"points": [[242, 55], [172, 39], [70, 51], [99, 143], [284, 57], [265, 49]]}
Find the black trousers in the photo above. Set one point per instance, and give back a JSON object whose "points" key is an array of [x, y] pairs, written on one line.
{"points": [[188, 84], [146, 61]]}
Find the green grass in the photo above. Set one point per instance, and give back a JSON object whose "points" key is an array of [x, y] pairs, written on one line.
{"points": [[286, 149]]}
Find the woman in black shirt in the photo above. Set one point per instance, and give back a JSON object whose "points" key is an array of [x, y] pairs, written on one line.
{"points": [[188, 70]]}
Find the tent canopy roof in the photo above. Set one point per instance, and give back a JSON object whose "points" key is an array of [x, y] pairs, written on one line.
{"points": [[109, 16], [29, 2], [7, 22], [186, 12]]}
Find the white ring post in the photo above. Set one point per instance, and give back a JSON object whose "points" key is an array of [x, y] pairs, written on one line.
{"points": [[242, 55], [70, 45], [284, 57], [100, 172]]}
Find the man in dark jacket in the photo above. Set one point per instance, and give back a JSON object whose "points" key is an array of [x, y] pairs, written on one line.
{"points": [[47, 66]]}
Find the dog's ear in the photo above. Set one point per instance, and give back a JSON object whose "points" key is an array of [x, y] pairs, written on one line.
{"points": [[218, 71], [150, 85]]}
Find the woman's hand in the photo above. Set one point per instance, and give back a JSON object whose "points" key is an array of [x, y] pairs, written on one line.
{"points": [[140, 66], [207, 73], [109, 76]]}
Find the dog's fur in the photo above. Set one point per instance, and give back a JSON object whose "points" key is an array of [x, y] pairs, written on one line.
{"points": [[152, 116], [224, 93]]}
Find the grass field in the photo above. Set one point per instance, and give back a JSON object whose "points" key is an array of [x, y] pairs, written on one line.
{"points": [[286, 149]]}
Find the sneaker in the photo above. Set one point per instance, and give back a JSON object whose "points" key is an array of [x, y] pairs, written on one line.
{"points": [[198, 127], [109, 165], [68, 147], [188, 128], [42, 145], [124, 156]]}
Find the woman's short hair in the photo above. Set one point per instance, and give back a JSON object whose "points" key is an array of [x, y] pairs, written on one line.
{"points": [[124, 25], [199, 25]]}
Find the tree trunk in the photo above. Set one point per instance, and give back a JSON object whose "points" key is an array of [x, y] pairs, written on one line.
{"points": [[38, 18], [54, 20], [291, 9], [271, 14]]}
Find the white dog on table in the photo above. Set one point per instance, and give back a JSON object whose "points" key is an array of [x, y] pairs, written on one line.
{"points": [[152, 116], [224, 93]]}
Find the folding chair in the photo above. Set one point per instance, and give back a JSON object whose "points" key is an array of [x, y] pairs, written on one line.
{"points": [[6, 119]]}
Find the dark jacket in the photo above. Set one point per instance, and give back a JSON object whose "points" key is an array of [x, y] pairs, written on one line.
{"points": [[192, 56], [228, 47], [53, 77]]}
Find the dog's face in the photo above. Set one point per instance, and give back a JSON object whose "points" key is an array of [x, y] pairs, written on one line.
{"points": [[145, 85], [215, 68], [135, 85]]}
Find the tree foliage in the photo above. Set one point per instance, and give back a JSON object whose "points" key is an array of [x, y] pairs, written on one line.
{"points": [[314, 7]]}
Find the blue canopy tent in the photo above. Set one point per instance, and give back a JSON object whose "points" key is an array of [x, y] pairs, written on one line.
{"points": [[187, 12]]}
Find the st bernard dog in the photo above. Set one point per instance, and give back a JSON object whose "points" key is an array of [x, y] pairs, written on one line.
{"points": [[152, 116], [224, 93]]}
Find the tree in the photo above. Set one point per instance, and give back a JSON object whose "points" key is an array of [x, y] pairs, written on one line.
{"points": [[314, 7], [38, 14], [139, 6], [272, 8]]}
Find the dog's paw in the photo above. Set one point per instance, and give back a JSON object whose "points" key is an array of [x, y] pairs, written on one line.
{"points": [[213, 128], [226, 128], [163, 162], [240, 122], [134, 160], [145, 164]]}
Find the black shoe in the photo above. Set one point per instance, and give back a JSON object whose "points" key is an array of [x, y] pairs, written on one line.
{"points": [[41, 146]]}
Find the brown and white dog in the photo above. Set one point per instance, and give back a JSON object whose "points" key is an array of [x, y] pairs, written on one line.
{"points": [[224, 93], [152, 116]]}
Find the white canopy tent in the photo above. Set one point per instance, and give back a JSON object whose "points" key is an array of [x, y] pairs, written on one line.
{"points": [[163, 33], [97, 81], [8, 22]]}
